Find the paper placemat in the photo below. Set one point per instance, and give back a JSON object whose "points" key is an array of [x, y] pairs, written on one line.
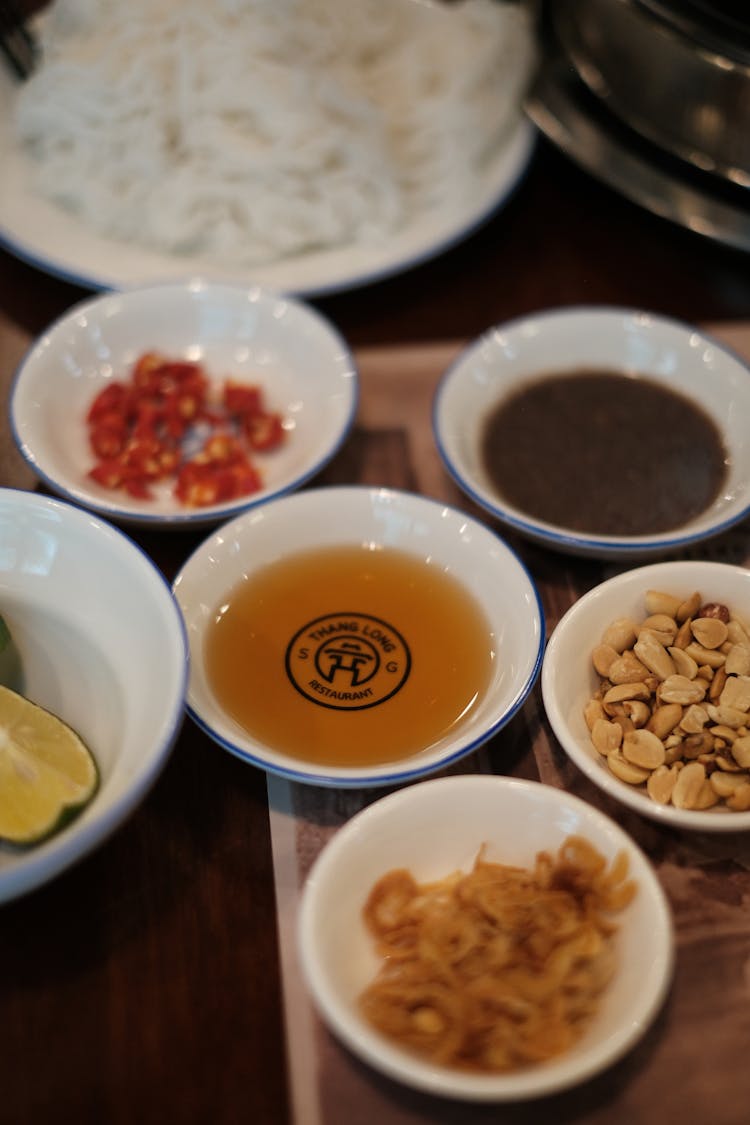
{"points": [[691, 1063]]}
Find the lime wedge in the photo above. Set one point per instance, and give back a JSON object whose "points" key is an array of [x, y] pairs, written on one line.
{"points": [[47, 773]]}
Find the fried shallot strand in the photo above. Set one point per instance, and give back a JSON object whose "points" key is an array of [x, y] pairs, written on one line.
{"points": [[498, 968]]}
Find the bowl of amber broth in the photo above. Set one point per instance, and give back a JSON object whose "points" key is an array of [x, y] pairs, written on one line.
{"points": [[353, 636], [93, 676], [485, 938], [599, 431], [646, 684]]}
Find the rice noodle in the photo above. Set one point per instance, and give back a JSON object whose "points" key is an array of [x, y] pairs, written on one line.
{"points": [[249, 130]]}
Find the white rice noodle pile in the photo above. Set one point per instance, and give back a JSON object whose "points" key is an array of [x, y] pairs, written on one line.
{"points": [[249, 130]]}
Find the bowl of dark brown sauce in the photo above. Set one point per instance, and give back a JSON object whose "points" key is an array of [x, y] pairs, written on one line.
{"points": [[599, 431]]}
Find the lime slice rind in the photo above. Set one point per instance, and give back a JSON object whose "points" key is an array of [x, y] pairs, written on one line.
{"points": [[47, 773]]}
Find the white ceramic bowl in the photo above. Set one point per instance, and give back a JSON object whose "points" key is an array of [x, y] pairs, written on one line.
{"points": [[569, 679], [627, 341], [102, 644], [440, 536], [249, 334], [434, 828]]}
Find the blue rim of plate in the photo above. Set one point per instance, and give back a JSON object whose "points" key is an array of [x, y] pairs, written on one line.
{"points": [[366, 781], [199, 516], [602, 546]]}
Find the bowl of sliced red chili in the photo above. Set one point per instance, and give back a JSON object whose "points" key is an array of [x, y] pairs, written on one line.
{"points": [[183, 403]]}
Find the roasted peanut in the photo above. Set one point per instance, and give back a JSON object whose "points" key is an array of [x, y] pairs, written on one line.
{"points": [[679, 689], [740, 799], [627, 669], [706, 797], [606, 736], [620, 692], [688, 785], [725, 734], [603, 657], [658, 602], [663, 628], [737, 632], [741, 751], [620, 634], [637, 711], [642, 748], [714, 610], [694, 719], [673, 754], [737, 662], [684, 636], [625, 770], [672, 710], [705, 656], [651, 652], [717, 684], [684, 665], [725, 784], [660, 784], [697, 744], [736, 693], [728, 763], [725, 715], [593, 711], [664, 719], [710, 632], [689, 607]]}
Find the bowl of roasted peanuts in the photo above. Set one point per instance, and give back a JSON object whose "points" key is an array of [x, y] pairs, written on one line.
{"points": [[646, 685]]}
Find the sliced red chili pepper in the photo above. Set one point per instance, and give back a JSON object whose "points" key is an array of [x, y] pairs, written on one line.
{"points": [[137, 488], [238, 398], [196, 485], [144, 368], [245, 479], [115, 397], [107, 473], [137, 430], [107, 441], [264, 431], [221, 448]]}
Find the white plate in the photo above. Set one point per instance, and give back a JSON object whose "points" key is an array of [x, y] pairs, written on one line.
{"points": [[250, 334], [634, 342], [433, 533], [92, 620], [437, 827], [59, 243]]}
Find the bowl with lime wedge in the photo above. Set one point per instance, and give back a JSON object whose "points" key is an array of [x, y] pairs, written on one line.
{"points": [[85, 724]]}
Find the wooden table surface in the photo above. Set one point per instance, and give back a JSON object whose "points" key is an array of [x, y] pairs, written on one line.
{"points": [[144, 985]]}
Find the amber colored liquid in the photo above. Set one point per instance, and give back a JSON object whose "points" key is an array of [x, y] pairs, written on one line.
{"points": [[291, 647]]}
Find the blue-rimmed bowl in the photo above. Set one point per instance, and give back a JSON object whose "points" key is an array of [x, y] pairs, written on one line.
{"points": [[434, 829], [438, 537], [247, 333], [638, 344], [98, 640]]}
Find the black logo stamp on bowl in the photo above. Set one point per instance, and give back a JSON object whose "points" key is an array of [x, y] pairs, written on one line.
{"points": [[348, 661]]}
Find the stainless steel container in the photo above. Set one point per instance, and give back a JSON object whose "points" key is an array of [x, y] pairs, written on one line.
{"points": [[677, 73]]}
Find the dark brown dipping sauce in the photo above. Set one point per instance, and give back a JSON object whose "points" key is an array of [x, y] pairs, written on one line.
{"points": [[603, 453]]}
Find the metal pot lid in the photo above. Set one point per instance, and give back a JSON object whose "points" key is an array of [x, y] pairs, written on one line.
{"points": [[570, 117], [723, 27]]}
